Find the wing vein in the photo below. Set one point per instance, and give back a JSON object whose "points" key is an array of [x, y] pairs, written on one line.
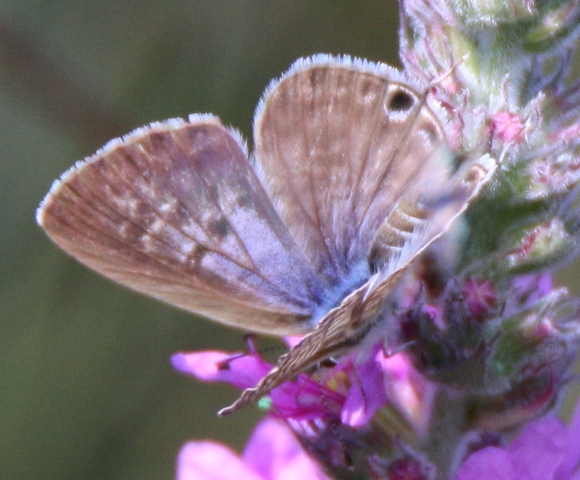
{"points": [[178, 228]]}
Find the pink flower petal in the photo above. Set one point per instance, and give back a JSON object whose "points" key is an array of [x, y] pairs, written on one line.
{"points": [[509, 127], [543, 450], [243, 371], [490, 463], [293, 341], [571, 462], [408, 390], [535, 286], [539, 449], [366, 394], [303, 399], [275, 454], [211, 461]]}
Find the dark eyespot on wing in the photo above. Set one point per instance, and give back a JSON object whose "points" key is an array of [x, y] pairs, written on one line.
{"points": [[400, 101]]}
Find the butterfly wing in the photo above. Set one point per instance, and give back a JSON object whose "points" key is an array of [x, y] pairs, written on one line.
{"points": [[174, 210], [338, 143], [348, 324]]}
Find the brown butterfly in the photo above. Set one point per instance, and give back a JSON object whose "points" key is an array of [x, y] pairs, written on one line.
{"points": [[351, 180]]}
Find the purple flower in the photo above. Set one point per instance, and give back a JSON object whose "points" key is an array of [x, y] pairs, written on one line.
{"points": [[299, 400], [352, 391], [544, 450], [273, 453]]}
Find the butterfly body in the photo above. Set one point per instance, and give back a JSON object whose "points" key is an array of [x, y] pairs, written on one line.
{"points": [[351, 180]]}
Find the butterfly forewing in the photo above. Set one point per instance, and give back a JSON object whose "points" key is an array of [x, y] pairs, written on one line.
{"points": [[338, 144], [174, 210]]}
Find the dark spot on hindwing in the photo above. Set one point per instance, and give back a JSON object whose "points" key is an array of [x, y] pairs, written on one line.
{"points": [[400, 101]]}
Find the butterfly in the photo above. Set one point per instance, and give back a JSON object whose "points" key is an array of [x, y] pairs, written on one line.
{"points": [[350, 181]]}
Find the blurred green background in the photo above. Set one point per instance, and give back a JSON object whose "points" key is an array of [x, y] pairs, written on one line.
{"points": [[86, 387]]}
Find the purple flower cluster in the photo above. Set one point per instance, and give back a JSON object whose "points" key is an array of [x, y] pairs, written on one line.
{"points": [[351, 391], [544, 450]]}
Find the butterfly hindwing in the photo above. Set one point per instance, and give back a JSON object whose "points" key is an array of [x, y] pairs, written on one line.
{"points": [[338, 143]]}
